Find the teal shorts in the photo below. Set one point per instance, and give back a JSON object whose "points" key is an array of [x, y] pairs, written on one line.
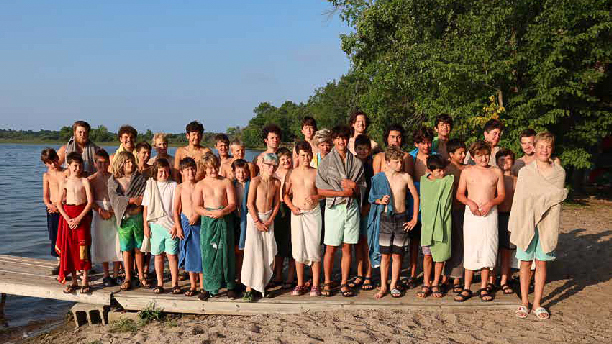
{"points": [[161, 241], [534, 251], [341, 224], [131, 233]]}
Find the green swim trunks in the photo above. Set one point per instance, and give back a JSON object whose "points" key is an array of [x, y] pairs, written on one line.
{"points": [[534, 251], [341, 224], [131, 232], [161, 240]]}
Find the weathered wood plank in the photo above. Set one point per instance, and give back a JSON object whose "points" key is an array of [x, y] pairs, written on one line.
{"points": [[53, 291], [25, 260]]}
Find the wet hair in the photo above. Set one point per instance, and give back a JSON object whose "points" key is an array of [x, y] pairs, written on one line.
{"points": [[453, 144], [493, 124], [186, 163], [271, 128], [504, 152], [48, 155], [435, 162], [159, 164], [444, 118], [210, 160], [141, 145], [309, 121], [81, 124], [223, 138], [194, 126], [101, 153], [323, 135], [236, 142], [528, 133], [283, 151], [119, 163], [159, 136], [394, 127], [340, 131], [303, 146], [240, 163], [353, 119], [545, 136], [422, 134], [127, 129], [393, 153], [480, 147], [74, 157], [363, 140]]}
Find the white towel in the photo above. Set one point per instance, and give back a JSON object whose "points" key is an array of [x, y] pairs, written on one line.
{"points": [[479, 240], [104, 237], [259, 252], [306, 236]]}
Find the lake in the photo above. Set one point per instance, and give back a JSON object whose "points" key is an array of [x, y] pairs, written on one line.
{"points": [[23, 223]]}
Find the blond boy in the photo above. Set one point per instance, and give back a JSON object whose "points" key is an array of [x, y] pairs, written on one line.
{"points": [[238, 151], [51, 195]]}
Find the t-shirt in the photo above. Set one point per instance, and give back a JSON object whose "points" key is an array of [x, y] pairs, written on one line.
{"points": [[166, 191]]}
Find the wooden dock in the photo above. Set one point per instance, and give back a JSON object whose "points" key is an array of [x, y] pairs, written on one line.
{"points": [[32, 277]]}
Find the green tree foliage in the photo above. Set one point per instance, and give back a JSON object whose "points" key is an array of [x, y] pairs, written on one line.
{"points": [[546, 64]]}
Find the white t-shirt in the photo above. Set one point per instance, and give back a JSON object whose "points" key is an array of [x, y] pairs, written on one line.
{"points": [[166, 191]]}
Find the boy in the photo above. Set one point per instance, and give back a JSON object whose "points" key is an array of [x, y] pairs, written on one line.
{"points": [[260, 247], [105, 242], [388, 212], [238, 152], [74, 237], [436, 192], [324, 144], [125, 190], [484, 184], [214, 201], [363, 147], [527, 139], [222, 145], [309, 128], [143, 154], [443, 126], [159, 226], [340, 179], [242, 182], [454, 266], [188, 222], [272, 140], [393, 137], [534, 220], [505, 161], [194, 131], [127, 137], [282, 224], [359, 122], [160, 143], [80, 142], [493, 131], [51, 195], [301, 197]]}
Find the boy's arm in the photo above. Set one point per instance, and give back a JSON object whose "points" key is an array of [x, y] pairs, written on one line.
{"points": [[176, 211], [51, 208], [287, 198], [461, 195], [252, 171], [177, 158], [89, 194], [147, 229], [59, 206], [501, 193], [376, 163], [198, 201], [252, 196], [415, 203], [231, 198], [270, 220]]}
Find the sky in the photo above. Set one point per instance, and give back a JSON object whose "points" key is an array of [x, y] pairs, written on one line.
{"points": [[161, 64]]}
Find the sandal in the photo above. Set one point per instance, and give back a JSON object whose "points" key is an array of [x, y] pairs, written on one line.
{"points": [[299, 291], [507, 289], [395, 293], [464, 295], [367, 284], [521, 312], [491, 288], [354, 283], [424, 292], [288, 285], [176, 290], [485, 295], [457, 288], [126, 285], [70, 289], [273, 284], [204, 295], [327, 289], [158, 290], [541, 313], [191, 292], [346, 293], [380, 294], [436, 292], [248, 296], [85, 289], [315, 291], [144, 283]]}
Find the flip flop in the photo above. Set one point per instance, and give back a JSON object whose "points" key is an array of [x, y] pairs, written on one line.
{"points": [[70, 289], [541, 313], [521, 312], [395, 293]]}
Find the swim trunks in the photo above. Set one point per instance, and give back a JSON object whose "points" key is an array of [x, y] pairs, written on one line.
{"points": [[131, 232], [341, 224], [161, 240], [393, 237]]}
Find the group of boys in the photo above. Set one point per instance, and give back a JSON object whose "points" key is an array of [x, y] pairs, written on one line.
{"points": [[232, 224]]}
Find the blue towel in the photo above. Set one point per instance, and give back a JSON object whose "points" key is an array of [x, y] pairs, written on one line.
{"points": [[243, 214], [190, 257], [380, 187]]}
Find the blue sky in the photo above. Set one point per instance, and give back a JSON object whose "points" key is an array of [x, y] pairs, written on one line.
{"points": [[161, 64]]}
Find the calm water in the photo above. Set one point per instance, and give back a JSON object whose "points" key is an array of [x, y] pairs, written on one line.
{"points": [[23, 224]]}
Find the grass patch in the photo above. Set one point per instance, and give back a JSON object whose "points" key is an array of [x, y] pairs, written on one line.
{"points": [[123, 326], [151, 313]]}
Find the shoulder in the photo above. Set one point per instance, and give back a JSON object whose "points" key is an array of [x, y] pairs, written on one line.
{"points": [[61, 150]]}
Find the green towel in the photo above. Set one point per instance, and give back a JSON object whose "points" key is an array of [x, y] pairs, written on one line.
{"points": [[218, 259], [436, 201]]}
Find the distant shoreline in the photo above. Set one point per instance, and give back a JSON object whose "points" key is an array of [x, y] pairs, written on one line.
{"points": [[113, 143]]}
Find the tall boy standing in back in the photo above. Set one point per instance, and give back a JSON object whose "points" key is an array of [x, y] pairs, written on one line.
{"points": [[51, 195], [272, 140], [194, 131], [493, 131]]}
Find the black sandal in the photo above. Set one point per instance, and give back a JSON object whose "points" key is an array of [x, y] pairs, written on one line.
{"points": [[191, 292], [424, 292], [70, 289], [346, 293], [485, 295], [354, 284], [436, 290], [176, 290], [203, 295], [507, 289], [457, 288], [85, 289], [367, 284], [158, 290], [327, 290], [462, 296], [126, 285], [491, 288]]}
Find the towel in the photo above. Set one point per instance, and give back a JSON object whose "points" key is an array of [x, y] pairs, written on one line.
{"points": [[122, 149], [190, 257], [306, 236], [218, 258], [436, 202], [380, 187], [332, 170], [259, 252], [537, 202], [120, 199], [156, 211], [243, 211], [479, 240], [104, 237]]}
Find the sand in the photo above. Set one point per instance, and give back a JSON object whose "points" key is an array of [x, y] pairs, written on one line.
{"points": [[578, 294]]}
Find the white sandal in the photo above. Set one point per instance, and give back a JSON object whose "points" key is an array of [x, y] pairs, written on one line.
{"points": [[541, 313], [521, 312]]}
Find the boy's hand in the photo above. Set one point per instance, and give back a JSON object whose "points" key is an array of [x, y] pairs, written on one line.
{"points": [[295, 210], [260, 226], [348, 184], [408, 226], [173, 232], [485, 209], [385, 199], [215, 214], [147, 231], [51, 208], [193, 219], [474, 208], [179, 232]]}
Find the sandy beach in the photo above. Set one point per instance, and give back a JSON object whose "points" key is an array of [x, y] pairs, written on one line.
{"points": [[577, 294]]}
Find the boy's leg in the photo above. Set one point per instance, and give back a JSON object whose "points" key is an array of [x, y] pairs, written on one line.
{"points": [[359, 258], [540, 281], [506, 257], [438, 268], [299, 267], [396, 267], [467, 283], [414, 255], [427, 265], [484, 280], [291, 271], [278, 269], [173, 265], [86, 278], [328, 262], [105, 271], [139, 263], [159, 269], [525, 277], [384, 271], [127, 263], [316, 273], [201, 281], [345, 265], [193, 281]]}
